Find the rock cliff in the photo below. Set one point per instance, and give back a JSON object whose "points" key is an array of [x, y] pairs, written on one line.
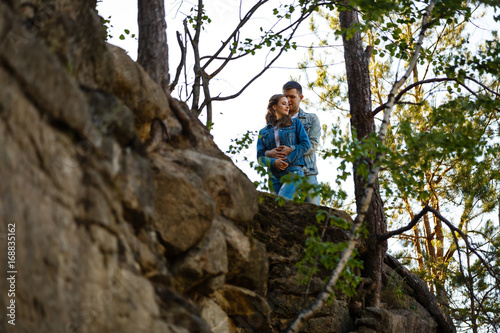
{"points": [[120, 212]]}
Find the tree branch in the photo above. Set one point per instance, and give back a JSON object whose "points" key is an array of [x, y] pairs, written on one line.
{"points": [[243, 21], [294, 26], [181, 62], [422, 294], [411, 86], [467, 281], [218, 98], [466, 240], [226, 61], [455, 231], [443, 79], [195, 42], [410, 225]]}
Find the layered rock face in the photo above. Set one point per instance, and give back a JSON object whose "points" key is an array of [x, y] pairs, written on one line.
{"points": [[281, 228], [121, 226], [111, 234]]}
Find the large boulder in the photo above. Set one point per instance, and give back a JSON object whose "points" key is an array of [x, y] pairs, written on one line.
{"points": [[218, 320], [183, 212], [141, 94], [206, 261], [247, 258], [247, 309]]}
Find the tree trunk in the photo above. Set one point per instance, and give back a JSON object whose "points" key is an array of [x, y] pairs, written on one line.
{"points": [[440, 264], [195, 43], [358, 79], [416, 237], [153, 50]]}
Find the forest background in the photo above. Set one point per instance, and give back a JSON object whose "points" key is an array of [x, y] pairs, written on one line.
{"points": [[456, 122]]}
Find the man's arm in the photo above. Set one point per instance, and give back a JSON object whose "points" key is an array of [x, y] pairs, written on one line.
{"points": [[314, 134], [303, 141], [277, 152]]}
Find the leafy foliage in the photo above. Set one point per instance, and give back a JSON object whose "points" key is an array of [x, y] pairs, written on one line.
{"points": [[442, 143], [323, 254], [236, 150]]}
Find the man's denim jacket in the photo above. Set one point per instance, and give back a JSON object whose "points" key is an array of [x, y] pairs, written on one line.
{"points": [[293, 136], [313, 130]]}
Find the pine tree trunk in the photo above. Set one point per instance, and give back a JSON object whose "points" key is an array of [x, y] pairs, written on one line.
{"points": [[153, 50], [358, 79]]}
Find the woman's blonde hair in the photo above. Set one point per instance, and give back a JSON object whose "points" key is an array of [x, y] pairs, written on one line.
{"points": [[271, 114]]}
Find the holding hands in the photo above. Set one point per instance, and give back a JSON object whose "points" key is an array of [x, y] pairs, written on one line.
{"points": [[280, 164], [279, 152]]}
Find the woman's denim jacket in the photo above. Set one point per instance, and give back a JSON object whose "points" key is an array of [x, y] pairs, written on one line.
{"points": [[294, 136]]}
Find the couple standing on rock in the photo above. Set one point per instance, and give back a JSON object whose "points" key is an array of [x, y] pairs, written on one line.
{"points": [[289, 141]]}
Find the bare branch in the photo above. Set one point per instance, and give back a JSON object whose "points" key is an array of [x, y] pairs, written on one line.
{"points": [[181, 62], [422, 294], [467, 281], [466, 240], [206, 91], [455, 231], [409, 103], [434, 80], [195, 42], [226, 61], [243, 21], [218, 98], [410, 225], [411, 86]]}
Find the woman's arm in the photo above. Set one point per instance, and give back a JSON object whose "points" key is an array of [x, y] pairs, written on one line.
{"points": [[303, 143], [261, 153]]}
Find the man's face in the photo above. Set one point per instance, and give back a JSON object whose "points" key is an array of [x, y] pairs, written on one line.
{"points": [[294, 100]]}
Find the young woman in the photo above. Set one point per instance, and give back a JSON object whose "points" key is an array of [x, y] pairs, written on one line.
{"points": [[287, 134]]}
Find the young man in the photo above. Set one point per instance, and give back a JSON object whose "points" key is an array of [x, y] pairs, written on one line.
{"points": [[293, 91]]}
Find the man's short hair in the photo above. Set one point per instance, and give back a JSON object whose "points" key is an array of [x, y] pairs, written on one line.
{"points": [[293, 85]]}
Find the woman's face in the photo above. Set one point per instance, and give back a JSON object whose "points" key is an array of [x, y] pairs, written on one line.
{"points": [[281, 108]]}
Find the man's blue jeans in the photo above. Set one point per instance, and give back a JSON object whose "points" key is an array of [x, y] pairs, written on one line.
{"points": [[313, 180]]}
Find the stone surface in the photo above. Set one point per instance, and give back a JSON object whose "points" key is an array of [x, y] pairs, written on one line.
{"points": [[137, 188], [140, 93], [78, 41], [207, 260], [247, 309], [394, 321], [191, 189], [72, 110], [217, 319], [247, 259], [183, 212], [78, 192]]}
